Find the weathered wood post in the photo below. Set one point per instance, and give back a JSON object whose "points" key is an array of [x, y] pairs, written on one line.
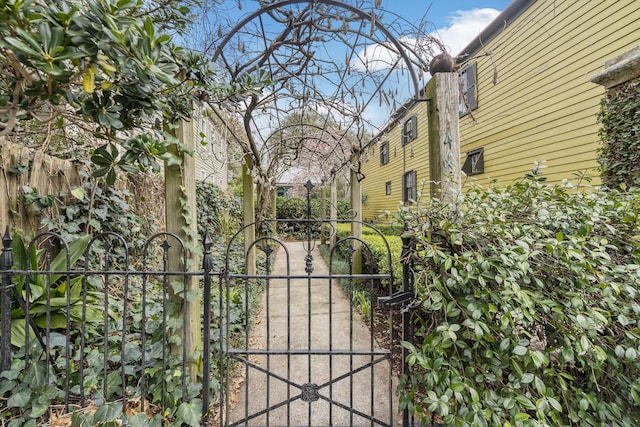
{"points": [[356, 224], [620, 69], [333, 214], [444, 136], [273, 195], [181, 217], [323, 215], [248, 215]]}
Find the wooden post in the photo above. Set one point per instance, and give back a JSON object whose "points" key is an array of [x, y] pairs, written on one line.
{"points": [[356, 225], [444, 136], [333, 214], [323, 214], [274, 210], [248, 212], [181, 214]]}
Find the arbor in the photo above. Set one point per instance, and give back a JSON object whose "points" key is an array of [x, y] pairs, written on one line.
{"points": [[333, 62], [307, 145]]}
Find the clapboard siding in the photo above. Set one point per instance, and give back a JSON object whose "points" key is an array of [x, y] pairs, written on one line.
{"points": [[544, 107], [211, 158], [412, 156]]}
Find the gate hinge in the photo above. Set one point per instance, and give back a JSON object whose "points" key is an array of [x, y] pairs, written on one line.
{"points": [[405, 299]]}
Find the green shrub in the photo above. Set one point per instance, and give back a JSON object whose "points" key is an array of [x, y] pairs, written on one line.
{"points": [[376, 258], [529, 308], [217, 211]]}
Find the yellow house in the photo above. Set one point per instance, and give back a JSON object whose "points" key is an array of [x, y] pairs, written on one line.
{"points": [[526, 96]]}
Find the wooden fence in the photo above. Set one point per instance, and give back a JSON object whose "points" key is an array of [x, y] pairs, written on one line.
{"points": [[24, 167]]}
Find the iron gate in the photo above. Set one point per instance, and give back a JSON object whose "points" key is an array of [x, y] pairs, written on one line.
{"points": [[309, 359]]}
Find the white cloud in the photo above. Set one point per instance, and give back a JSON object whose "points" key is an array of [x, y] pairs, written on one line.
{"points": [[464, 26], [375, 58]]}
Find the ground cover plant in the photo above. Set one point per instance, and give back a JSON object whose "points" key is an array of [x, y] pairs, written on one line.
{"points": [[529, 307]]}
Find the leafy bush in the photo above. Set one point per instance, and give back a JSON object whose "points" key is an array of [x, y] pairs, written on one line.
{"points": [[376, 258], [217, 211], [529, 308]]}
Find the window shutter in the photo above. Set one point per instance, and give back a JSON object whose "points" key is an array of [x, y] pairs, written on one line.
{"points": [[409, 130], [414, 127], [409, 190], [474, 163], [384, 153], [404, 188], [472, 87]]}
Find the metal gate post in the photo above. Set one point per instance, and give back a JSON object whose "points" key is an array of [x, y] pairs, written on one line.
{"points": [[6, 263], [207, 266], [407, 333]]}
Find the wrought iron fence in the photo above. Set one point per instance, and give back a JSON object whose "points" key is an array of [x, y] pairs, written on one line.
{"points": [[99, 328]]}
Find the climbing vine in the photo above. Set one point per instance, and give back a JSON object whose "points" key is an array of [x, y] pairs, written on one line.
{"points": [[620, 135]]}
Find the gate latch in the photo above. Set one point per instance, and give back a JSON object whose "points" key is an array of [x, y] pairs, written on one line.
{"points": [[404, 299]]}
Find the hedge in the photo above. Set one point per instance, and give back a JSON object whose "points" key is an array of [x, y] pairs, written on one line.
{"points": [[530, 308], [376, 258]]}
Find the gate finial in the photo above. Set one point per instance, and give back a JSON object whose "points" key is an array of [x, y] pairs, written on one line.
{"points": [[308, 185], [6, 259]]}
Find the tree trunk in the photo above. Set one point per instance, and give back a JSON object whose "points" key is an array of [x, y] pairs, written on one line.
{"points": [[356, 225], [248, 210]]}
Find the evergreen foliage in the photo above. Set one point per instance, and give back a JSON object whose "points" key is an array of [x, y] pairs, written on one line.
{"points": [[529, 307]]}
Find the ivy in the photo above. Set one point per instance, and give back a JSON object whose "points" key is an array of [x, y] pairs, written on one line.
{"points": [[619, 155], [216, 210], [529, 308]]}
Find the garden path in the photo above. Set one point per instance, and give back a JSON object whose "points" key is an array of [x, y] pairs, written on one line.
{"points": [[331, 319]]}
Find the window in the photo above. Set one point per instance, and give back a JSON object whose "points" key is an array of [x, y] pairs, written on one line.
{"points": [[468, 90], [409, 186], [384, 153], [409, 130], [474, 163], [387, 186]]}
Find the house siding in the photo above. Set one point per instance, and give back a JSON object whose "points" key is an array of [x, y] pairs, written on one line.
{"points": [[402, 158], [543, 107], [211, 158], [535, 98]]}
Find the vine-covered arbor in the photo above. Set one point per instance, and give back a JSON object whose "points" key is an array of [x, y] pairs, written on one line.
{"points": [[340, 71]]}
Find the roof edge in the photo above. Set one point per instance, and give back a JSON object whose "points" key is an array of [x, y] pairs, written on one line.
{"points": [[495, 27]]}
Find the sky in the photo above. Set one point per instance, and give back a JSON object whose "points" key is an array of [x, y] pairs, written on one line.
{"points": [[457, 22]]}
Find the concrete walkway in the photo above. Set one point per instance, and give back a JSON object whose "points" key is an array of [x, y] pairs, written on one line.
{"points": [[311, 359]]}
